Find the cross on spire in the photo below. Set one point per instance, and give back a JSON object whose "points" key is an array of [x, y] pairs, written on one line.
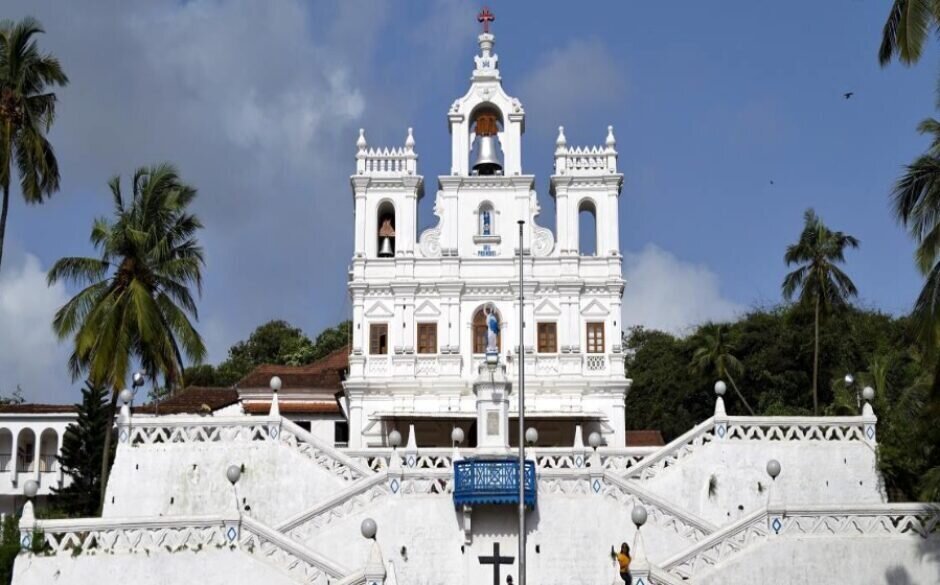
{"points": [[486, 17]]}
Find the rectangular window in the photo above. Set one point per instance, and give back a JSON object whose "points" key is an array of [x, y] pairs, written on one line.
{"points": [[548, 338], [595, 338], [304, 424], [427, 337], [340, 433], [378, 338]]}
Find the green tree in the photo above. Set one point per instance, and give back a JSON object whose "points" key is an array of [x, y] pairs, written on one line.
{"points": [[820, 282], [82, 452], [714, 354], [907, 27], [27, 110], [331, 339], [275, 342], [136, 301]]}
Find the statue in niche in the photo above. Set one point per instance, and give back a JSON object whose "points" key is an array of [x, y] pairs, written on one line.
{"points": [[492, 329]]}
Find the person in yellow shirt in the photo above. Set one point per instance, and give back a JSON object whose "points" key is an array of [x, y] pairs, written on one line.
{"points": [[623, 560]]}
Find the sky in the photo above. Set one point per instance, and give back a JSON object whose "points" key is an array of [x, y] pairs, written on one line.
{"points": [[729, 116]]}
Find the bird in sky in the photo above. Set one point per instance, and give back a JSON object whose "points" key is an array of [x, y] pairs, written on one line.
{"points": [[848, 94]]}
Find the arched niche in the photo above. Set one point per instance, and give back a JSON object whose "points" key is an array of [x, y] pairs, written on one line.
{"points": [[587, 228], [486, 219], [479, 329], [486, 152], [385, 230]]}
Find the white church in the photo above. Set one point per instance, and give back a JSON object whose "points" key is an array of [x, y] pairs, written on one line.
{"points": [[408, 476]]}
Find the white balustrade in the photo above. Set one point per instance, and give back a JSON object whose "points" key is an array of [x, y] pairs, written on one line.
{"points": [[594, 363]]}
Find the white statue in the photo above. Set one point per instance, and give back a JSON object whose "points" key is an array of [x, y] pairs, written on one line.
{"points": [[492, 330]]}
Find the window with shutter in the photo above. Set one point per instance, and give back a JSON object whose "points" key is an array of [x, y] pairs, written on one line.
{"points": [[378, 338], [548, 338], [595, 338], [427, 337]]}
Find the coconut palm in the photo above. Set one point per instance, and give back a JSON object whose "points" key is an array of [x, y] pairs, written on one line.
{"points": [[820, 282], [714, 354], [136, 301], [909, 24], [27, 109]]}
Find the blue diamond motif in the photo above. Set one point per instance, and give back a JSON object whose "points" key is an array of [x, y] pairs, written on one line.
{"points": [[870, 432], [411, 461], [578, 462], [25, 541], [232, 533], [776, 525], [597, 485], [273, 432], [640, 581], [394, 485], [123, 436], [721, 431]]}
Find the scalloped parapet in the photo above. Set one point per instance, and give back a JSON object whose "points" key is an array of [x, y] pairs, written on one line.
{"points": [[399, 161], [585, 160]]}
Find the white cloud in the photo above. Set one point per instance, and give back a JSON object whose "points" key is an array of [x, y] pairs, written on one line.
{"points": [[30, 355], [665, 293], [570, 82]]}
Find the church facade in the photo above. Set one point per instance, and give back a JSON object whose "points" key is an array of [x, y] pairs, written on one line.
{"points": [[420, 300]]}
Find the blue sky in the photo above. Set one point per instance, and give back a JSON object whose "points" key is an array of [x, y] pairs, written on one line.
{"points": [[259, 103]]}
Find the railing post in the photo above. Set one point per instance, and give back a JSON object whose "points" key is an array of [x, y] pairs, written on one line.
{"points": [[411, 449], [578, 447], [869, 424], [27, 525], [721, 417]]}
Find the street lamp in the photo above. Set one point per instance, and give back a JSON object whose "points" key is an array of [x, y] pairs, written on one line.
{"points": [[531, 435]]}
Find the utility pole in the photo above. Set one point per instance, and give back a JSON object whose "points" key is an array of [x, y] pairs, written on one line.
{"points": [[521, 354]]}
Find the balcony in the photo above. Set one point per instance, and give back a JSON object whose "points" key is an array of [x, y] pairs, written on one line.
{"points": [[492, 481]]}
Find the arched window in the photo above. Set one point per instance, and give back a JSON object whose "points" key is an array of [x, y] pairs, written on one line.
{"points": [[487, 220], [587, 228], [6, 449], [385, 230], [479, 330], [48, 449], [25, 450]]}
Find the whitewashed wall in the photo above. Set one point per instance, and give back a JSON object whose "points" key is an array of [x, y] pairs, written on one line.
{"points": [[813, 472], [205, 567], [277, 481]]}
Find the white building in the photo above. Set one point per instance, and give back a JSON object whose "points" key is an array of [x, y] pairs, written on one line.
{"points": [[418, 302], [30, 441]]}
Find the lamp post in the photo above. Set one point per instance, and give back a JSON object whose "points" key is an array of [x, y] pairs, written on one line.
{"points": [[522, 535], [849, 380]]}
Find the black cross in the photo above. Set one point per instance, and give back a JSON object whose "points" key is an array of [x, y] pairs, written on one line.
{"points": [[496, 561]]}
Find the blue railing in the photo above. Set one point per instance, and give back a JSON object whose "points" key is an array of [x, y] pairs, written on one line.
{"points": [[492, 481]]}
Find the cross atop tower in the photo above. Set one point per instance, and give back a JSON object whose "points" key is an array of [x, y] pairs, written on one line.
{"points": [[486, 17]]}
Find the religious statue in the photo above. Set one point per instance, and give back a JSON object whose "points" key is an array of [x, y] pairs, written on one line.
{"points": [[492, 329]]}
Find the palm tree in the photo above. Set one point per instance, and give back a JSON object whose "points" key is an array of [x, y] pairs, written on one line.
{"points": [[909, 24], [27, 109], [821, 283], [136, 301], [714, 354]]}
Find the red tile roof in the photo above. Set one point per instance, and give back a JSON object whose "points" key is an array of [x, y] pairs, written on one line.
{"points": [[193, 400], [27, 408], [293, 407], [645, 439], [327, 373]]}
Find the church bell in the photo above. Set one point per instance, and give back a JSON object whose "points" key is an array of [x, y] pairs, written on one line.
{"points": [[487, 162], [385, 251]]}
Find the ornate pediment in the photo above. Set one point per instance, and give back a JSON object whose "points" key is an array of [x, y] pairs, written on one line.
{"points": [[379, 310], [595, 309], [427, 309], [547, 309]]}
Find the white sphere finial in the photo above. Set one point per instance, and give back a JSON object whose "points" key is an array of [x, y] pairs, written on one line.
{"points": [[137, 379], [30, 488], [531, 435], [368, 528], [456, 435], [126, 396], [638, 516], [594, 440], [233, 473], [361, 144], [868, 393], [394, 438], [275, 384], [773, 468], [849, 379], [720, 388]]}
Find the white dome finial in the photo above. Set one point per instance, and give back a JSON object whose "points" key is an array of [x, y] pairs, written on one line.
{"points": [[611, 141], [561, 142], [361, 144], [410, 140]]}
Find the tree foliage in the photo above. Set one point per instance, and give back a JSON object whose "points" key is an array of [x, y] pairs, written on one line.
{"points": [[774, 348], [27, 110], [82, 450], [274, 342]]}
